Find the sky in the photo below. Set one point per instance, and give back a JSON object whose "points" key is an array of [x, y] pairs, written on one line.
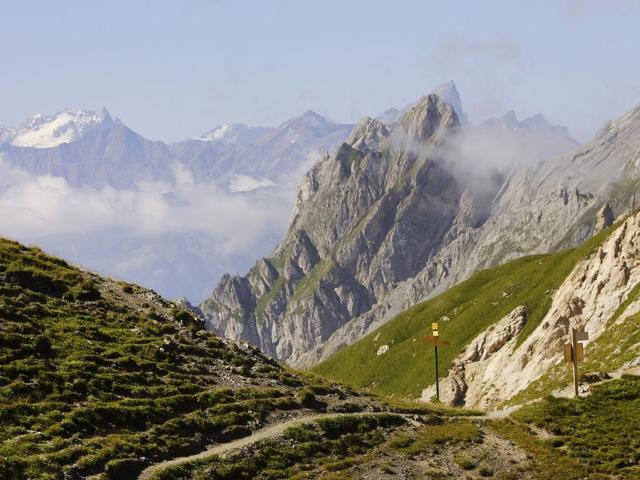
{"points": [[174, 69]]}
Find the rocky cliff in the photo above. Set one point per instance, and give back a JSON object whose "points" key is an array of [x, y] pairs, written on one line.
{"points": [[366, 217], [600, 290]]}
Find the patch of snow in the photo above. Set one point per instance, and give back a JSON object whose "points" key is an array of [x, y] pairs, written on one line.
{"points": [[218, 133], [50, 131], [245, 183]]}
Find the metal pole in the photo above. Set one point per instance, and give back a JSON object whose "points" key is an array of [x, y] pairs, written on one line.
{"points": [[574, 358], [437, 383]]}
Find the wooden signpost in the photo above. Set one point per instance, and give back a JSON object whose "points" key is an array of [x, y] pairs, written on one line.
{"points": [[574, 353], [435, 340]]}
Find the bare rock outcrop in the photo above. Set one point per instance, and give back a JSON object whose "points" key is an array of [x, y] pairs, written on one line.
{"points": [[586, 300], [605, 218], [470, 376]]}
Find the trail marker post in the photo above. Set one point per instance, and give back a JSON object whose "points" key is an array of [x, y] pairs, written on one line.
{"points": [[574, 353], [435, 340]]}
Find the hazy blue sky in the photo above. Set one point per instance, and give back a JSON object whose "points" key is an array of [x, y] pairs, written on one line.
{"points": [[172, 69]]}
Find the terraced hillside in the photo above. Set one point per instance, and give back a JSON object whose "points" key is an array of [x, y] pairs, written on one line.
{"points": [[99, 377], [507, 325]]}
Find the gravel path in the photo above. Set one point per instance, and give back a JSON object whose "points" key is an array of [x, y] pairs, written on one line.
{"points": [[267, 432]]}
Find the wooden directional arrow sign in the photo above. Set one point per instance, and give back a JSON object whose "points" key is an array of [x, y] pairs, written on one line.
{"points": [[436, 341]]}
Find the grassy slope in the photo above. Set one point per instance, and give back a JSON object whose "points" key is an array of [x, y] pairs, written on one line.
{"points": [[599, 431], [592, 438], [471, 306], [97, 374], [345, 448]]}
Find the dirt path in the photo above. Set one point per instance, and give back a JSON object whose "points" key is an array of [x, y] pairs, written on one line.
{"points": [[267, 432]]}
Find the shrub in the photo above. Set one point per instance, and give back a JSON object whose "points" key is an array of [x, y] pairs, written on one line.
{"points": [[306, 398], [124, 469], [43, 347]]}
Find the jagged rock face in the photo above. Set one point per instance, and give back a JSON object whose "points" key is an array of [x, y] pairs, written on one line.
{"points": [[366, 218], [392, 222], [492, 368], [537, 209], [605, 218]]}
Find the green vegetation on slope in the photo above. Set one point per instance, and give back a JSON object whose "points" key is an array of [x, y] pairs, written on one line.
{"points": [[600, 431], [102, 377], [326, 444], [463, 312], [380, 446]]}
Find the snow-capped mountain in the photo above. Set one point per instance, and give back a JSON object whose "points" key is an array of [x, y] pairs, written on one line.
{"points": [[238, 171], [234, 133], [42, 131]]}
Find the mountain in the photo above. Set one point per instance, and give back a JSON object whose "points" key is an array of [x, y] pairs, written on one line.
{"points": [[91, 149], [506, 327], [42, 131], [107, 154], [449, 93], [400, 213], [234, 133], [349, 237], [531, 134], [106, 160]]}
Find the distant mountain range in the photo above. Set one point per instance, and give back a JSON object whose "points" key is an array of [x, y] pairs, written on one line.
{"points": [[93, 149], [243, 165]]}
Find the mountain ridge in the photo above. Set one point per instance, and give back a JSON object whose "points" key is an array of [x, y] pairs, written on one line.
{"points": [[476, 234]]}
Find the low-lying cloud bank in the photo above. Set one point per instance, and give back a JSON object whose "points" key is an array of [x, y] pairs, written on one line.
{"points": [[229, 226]]}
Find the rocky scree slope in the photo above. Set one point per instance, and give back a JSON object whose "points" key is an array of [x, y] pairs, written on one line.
{"points": [[600, 290], [99, 377]]}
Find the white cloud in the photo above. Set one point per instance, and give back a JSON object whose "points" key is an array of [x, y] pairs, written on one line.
{"points": [[245, 183], [35, 206]]}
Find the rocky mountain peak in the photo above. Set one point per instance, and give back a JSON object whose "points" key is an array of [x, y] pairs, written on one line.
{"points": [[429, 116], [449, 93], [353, 234], [367, 134], [47, 131]]}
